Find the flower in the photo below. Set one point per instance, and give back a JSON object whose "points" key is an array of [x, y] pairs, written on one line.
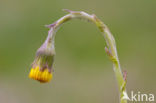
{"points": [[42, 66]]}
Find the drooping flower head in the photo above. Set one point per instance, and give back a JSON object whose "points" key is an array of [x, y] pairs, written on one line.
{"points": [[42, 66]]}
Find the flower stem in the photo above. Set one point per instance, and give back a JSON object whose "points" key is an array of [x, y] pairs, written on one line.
{"points": [[110, 41]]}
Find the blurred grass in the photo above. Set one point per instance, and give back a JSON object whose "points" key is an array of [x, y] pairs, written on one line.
{"points": [[83, 72]]}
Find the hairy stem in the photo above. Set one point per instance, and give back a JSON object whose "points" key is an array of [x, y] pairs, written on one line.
{"points": [[110, 41]]}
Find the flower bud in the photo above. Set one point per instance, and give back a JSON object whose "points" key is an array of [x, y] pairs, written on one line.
{"points": [[42, 66]]}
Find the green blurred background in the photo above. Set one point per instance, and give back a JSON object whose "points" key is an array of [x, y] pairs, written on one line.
{"points": [[83, 72]]}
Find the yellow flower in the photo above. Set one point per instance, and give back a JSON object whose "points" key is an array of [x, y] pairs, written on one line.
{"points": [[42, 67], [41, 75]]}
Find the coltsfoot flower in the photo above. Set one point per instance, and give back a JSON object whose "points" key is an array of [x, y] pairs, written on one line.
{"points": [[42, 66]]}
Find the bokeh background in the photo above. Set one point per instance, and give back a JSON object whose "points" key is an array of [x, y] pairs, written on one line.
{"points": [[83, 72]]}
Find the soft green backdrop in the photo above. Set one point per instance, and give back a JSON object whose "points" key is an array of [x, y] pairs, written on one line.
{"points": [[83, 72]]}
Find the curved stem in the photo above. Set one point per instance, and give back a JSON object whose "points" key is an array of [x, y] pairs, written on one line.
{"points": [[110, 41]]}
